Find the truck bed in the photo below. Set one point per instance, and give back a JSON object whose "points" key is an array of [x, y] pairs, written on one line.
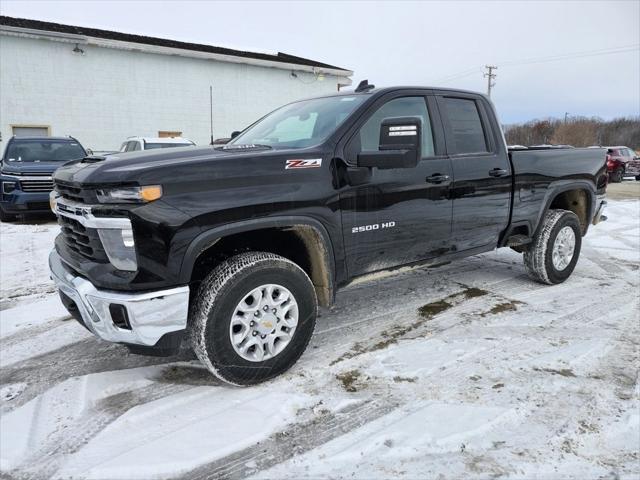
{"points": [[540, 174]]}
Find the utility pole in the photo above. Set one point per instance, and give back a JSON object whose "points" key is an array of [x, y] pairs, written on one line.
{"points": [[211, 112], [490, 76], [566, 115]]}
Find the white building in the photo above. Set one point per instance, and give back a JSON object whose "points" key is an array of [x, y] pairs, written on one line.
{"points": [[102, 87]]}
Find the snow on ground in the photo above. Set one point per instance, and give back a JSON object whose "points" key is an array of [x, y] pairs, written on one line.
{"points": [[466, 370]]}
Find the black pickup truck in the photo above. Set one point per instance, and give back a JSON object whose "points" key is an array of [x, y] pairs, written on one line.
{"points": [[233, 248]]}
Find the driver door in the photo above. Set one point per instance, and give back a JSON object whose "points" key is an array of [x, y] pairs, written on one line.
{"points": [[399, 215]]}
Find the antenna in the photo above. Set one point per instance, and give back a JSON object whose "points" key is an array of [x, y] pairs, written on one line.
{"points": [[211, 112], [364, 86]]}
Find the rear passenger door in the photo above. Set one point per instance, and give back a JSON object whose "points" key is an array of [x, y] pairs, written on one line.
{"points": [[481, 189]]}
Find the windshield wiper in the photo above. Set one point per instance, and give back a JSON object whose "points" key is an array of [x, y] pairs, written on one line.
{"points": [[247, 146]]}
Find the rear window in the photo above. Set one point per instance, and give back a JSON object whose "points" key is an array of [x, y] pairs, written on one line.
{"points": [[466, 126], [31, 150]]}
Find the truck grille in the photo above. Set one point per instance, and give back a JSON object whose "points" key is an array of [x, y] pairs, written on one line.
{"points": [[43, 185], [82, 240]]}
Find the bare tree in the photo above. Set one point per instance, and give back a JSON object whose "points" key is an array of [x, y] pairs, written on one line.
{"points": [[577, 131]]}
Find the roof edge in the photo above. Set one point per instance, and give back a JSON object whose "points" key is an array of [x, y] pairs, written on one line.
{"points": [[126, 41]]}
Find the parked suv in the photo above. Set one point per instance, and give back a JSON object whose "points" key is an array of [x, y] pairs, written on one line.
{"points": [[25, 172], [134, 144], [617, 159]]}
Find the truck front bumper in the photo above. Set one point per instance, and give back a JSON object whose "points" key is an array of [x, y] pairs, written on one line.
{"points": [[136, 319]]}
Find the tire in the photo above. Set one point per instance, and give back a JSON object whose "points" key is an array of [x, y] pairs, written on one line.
{"points": [[617, 175], [637, 178], [538, 259], [219, 300], [7, 217]]}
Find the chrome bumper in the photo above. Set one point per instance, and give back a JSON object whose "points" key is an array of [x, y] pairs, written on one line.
{"points": [[150, 314]]}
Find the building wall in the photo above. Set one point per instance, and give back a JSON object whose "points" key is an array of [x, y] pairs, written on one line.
{"points": [[105, 95]]}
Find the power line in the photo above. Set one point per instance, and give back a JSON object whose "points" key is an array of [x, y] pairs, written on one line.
{"points": [[566, 56], [553, 58]]}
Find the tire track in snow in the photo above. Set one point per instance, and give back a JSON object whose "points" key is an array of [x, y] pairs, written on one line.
{"points": [[47, 459], [9, 298], [28, 332], [297, 439], [81, 358]]}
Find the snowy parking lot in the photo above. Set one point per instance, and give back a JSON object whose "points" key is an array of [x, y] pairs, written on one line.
{"points": [[466, 370]]}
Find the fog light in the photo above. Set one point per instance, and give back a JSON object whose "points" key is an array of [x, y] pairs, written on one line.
{"points": [[8, 187], [119, 316]]}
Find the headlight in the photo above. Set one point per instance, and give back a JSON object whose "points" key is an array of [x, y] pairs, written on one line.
{"points": [[53, 199], [119, 247], [144, 194], [8, 187]]}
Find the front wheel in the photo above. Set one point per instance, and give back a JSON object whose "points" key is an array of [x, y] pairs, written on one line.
{"points": [[6, 217], [253, 317], [555, 249]]}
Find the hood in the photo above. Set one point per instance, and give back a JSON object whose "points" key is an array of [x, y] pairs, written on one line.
{"points": [[26, 168], [147, 167]]}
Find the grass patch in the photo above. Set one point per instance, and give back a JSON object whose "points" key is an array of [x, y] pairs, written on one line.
{"points": [[510, 306], [425, 313], [563, 372], [349, 380], [399, 379]]}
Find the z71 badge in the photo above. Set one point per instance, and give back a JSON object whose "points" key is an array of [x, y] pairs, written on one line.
{"points": [[308, 163]]}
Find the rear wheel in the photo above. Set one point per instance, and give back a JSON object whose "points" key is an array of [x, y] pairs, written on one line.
{"points": [[253, 317], [638, 178], [617, 175], [555, 249]]}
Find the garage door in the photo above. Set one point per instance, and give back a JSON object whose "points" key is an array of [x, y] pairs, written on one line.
{"points": [[31, 131]]}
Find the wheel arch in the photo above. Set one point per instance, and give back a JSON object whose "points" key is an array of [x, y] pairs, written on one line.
{"points": [[578, 197], [310, 247]]}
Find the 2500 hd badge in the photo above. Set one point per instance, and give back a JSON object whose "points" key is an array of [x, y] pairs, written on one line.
{"points": [[375, 226], [219, 248]]}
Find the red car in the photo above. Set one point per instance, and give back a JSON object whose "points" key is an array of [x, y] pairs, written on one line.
{"points": [[618, 159]]}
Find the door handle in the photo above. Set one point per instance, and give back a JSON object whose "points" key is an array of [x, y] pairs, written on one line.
{"points": [[437, 178], [498, 172]]}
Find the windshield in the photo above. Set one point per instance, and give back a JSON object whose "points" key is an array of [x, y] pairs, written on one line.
{"points": [[149, 146], [24, 150], [301, 124]]}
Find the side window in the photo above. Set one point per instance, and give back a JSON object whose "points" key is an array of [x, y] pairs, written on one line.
{"points": [[132, 146], [398, 107], [466, 126]]}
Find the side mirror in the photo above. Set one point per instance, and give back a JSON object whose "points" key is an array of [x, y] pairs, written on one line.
{"points": [[234, 134], [400, 140], [89, 152]]}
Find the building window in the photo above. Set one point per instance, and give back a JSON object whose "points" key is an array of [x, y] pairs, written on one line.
{"points": [[31, 130], [168, 134]]}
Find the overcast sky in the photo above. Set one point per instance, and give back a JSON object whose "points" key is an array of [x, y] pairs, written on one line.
{"points": [[417, 43]]}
